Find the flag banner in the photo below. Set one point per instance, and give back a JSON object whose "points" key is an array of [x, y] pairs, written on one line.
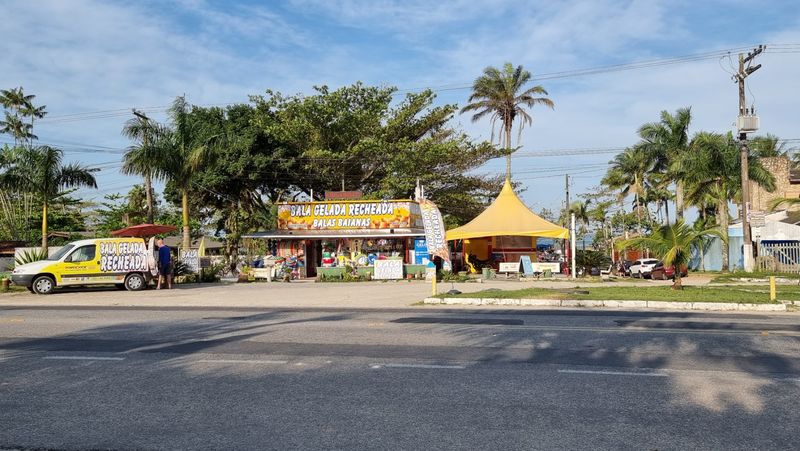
{"points": [[433, 224]]}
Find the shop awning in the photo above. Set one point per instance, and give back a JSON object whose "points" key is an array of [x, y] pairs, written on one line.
{"points": [[336, 233], [507, 215]]}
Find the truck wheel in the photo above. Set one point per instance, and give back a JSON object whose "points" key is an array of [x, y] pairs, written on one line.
{"points": [[43, 285], [134, 282]]}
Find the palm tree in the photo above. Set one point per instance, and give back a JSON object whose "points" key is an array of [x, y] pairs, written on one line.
{"points": [[33, 112], [713, 171], [144, 157], [627, 175], [15, 99], [14, 126], [768, 146], [40, 171], [182, 151], [669, 138], [501, 95], [673, 243]]}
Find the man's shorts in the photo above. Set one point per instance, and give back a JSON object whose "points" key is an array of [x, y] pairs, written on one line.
{"points": [[165, 270]]}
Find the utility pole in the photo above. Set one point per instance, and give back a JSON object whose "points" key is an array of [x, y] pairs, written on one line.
{"points": [[566, 181], [148, 179], [567, 245], [747, 122]]}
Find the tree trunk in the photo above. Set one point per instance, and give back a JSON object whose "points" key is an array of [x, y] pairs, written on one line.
{"points": [[679, 204], [508, 152], [666, 210], [187, 239], [676, 283], [148, 186], [44, 226], [702, 257], [722, 208]]}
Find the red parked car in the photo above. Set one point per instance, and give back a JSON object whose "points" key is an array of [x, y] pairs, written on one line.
{"points": [[666, 273]]}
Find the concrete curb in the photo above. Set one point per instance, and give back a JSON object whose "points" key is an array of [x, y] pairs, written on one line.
{"points": [[572, 303]]}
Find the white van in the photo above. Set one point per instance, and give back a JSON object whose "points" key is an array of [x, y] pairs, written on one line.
{"points": [[124, 262]]}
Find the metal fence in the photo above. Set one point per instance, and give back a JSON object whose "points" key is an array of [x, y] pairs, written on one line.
{"points": [[779, 257]]}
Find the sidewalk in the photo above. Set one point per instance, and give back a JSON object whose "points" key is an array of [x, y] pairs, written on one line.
{"points": [[297, 294], [307, 293]]}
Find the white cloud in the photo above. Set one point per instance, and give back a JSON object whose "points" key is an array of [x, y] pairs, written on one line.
{"points": [[86, 55]]}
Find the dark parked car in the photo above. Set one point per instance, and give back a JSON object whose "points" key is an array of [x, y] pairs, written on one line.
{"points": [[666, 273]]}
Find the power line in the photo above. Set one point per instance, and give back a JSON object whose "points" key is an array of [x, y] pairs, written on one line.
{"points": [[636, 65]]}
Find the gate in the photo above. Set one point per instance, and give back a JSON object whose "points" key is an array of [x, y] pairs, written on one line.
{"points": [[779, 257]]}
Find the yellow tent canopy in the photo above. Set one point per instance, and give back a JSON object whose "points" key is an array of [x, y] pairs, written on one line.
{"points": [[507, 216]]}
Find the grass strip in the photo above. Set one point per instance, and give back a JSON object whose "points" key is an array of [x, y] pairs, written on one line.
{"points": [[752, 294]]}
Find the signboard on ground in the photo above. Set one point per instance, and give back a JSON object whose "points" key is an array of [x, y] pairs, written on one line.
{"points": [[191, 258], [420, 251], [388, 269], [509, 267], [344, 215], [527, 266]]}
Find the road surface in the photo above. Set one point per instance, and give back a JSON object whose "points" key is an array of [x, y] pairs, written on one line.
{"points": [[222, 378]]}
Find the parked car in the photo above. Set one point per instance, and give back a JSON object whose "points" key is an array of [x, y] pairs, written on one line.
{"points": [[665, 273], [642, 267], [123, 262]]}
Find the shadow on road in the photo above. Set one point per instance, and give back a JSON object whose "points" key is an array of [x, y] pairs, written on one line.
{"points": [[510, 394]]}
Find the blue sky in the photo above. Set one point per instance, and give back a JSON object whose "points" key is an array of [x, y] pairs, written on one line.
{"points": [[82, 56]]}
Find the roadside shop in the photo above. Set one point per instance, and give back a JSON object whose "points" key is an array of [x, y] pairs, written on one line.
{"points": [[383, 238]]}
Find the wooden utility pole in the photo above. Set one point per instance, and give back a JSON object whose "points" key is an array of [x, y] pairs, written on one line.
{"points": [[744, 125], [148, 178]]}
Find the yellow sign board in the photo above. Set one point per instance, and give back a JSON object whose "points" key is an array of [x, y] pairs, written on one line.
{"points": [[349, 215]]}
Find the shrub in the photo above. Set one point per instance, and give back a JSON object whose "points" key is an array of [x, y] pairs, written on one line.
{"points": [[30, 256]]}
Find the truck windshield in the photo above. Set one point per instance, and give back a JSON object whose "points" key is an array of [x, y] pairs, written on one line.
{"points": [[61, 252]]}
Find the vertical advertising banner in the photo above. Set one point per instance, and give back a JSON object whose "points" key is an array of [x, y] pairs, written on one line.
{"points": [[433, 224]]}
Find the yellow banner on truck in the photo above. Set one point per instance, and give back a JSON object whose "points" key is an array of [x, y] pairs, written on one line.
{"points": [[339, 215]]}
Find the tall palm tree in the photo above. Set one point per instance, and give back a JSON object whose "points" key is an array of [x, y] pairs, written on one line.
{"points": [[713, 171], [17, 128], [669, 138], [501, 95], [627, 175], [182, 151], [33, 112], [673, 243], [41, 171], [15, 99], [145, 156]]}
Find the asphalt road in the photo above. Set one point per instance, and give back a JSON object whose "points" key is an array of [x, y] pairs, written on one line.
{"points": [[204, 378]]}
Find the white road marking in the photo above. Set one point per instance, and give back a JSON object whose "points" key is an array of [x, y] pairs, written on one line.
{"points": [[80, 357], [614, 373], [416, 365], [276, 362]]}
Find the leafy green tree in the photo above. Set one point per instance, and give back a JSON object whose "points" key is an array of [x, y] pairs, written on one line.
{"points": [[713, 171], [501, 95], [356, 136], [668, 139], [41, 171], [673, 243]]}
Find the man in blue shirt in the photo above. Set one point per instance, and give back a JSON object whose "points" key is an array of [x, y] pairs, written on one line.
{"points": [[164, 264]]}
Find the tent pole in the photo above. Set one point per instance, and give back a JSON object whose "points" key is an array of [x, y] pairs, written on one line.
{"points": [[572, 243]]}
